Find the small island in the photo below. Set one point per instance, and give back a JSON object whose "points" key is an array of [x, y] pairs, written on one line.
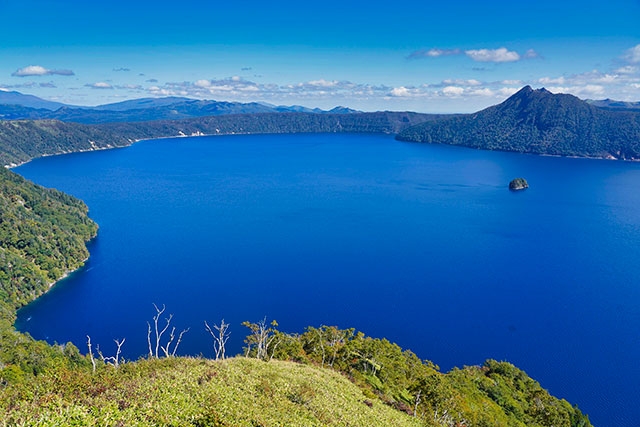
{"points": [[518, 184]]}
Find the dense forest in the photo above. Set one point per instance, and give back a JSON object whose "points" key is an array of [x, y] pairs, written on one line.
{"points": [[539, 122], [42, 237], [23, 140]]}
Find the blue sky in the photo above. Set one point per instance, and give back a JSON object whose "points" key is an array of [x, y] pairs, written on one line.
{"points": [[454, 56]]}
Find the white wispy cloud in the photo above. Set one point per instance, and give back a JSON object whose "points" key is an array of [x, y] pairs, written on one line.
{"points": [[99, 85], [30, 85], [434, 53], [493, 92], [628, 69], [587, 91], [552, 80], [238, 88], [453, 91], [501, 54], [130, 87], [493, 55], [620, 84], [633, 55], [461, 82], [531, 54], [37, 70]]}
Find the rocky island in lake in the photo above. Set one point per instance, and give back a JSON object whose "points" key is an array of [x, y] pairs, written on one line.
{"points": [[518, 184]]}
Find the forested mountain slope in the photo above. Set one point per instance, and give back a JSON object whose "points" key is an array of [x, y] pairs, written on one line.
{"points": [[23, 140], [42, 237], [539, 122]]}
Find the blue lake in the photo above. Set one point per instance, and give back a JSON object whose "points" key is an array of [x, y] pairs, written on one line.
{"points": [[421, 244]]}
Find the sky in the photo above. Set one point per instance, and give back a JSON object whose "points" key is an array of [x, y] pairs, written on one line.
{"points": [[433, 57]]}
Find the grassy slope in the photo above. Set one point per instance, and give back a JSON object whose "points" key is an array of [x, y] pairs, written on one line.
{"points": [[197, 392]]}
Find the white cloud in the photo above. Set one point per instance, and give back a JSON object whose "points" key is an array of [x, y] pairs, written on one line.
{"points": [[628, 69], [531, 54], [99, 85], [400, 91], [633, 55], [37, 70], [129, 87], [549, 80], [202, 83], [501, 54], [433, 53], [587, 91], [481, 92], [323, 83], [493, 55], [461, 82], [512, 82], [453, 91], [507, 91]]}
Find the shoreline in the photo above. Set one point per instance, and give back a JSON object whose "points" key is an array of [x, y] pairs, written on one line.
{"points": [[11, 166]]}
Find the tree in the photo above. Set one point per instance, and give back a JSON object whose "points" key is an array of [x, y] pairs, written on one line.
{"points": [[166, 349], [111, 360], [262, 337], [220, 337]]}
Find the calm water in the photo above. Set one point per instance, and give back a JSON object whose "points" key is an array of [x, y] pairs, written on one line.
{"points": [[421, 244]]}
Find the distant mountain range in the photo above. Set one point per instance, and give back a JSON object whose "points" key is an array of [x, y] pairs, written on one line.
{"points": [[16, 106], [19, 99], [530, 121], [610, 104], [537, 121]]}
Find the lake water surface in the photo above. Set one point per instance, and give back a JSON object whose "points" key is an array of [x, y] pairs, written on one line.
{"points": [[421, 244]]}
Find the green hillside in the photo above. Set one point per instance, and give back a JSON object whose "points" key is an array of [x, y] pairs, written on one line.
{"points": [[23, 140], [42, 237], [539, 122]]}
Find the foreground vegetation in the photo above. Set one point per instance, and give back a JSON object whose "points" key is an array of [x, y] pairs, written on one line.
{"points": [[330, 377]]}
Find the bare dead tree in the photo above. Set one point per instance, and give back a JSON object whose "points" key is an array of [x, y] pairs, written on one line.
{"points": [[112, 360], [321, 341], [417, 402], [167, 349], [93, 361], [220, 337], [155, 351]]}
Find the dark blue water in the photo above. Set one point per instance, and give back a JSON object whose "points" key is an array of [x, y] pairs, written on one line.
{"points": [[422, 244]]}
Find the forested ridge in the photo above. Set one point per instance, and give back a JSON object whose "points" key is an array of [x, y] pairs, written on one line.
{"points": [[42, 237], [23, 140], [539, 122]]}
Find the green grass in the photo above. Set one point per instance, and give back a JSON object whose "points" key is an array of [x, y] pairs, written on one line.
{"points": [[196, 392]]}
